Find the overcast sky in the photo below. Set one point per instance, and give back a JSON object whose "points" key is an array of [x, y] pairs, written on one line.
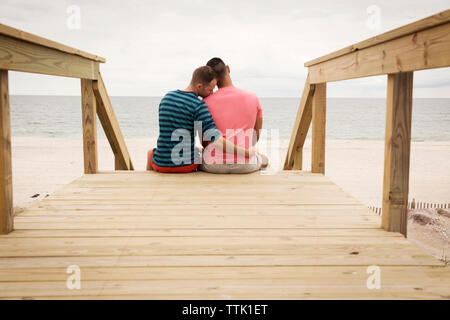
{"points": [[152, 47]]}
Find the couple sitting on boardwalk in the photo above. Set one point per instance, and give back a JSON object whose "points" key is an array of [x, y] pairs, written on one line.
{"points": [[228, 123]]}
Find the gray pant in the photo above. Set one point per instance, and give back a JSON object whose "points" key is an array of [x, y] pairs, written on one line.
{"points": [[232, 167]]}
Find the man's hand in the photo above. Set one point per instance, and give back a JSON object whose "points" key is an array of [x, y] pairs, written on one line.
{"points": [[199, 148]]}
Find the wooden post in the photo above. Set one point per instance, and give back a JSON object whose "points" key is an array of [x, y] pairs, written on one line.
{"points": [[89, 120], [111, 126], [397, 152], [318, 128], [6, 194], [294, 155]]}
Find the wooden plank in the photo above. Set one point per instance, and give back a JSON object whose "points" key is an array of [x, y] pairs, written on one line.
{"points": [[136, 178], [31, 38], [161, 199], [419, 51], [339, 247], [209, 217], [294, 155], [229, 289], [102, 180], [200, 210], [89, 122], [332, 258], [111, 126], [6, 192], [346, 275], [310, 194], [212, 223], [416, 26], [24, 56], [281, 175], [220, 232], [316, 251], [319, 101], [397, 152]]}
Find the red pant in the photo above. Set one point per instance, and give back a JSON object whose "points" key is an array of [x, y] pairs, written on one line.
{"points": [[180, 169]]}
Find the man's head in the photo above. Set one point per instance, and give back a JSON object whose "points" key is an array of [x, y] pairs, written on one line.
{"points": [[221, 70], [203, 81]]}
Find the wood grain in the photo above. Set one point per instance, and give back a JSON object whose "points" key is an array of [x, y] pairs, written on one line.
{"points": [[19, 55], [160, 236], [89, 123], [111, 126], [397, 152], [31, 38], [6, 192], [294, 155], [319, 102]]}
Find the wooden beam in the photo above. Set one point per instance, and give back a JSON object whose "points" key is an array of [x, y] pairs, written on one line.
{"points": [[20, 55], [416, 26], [319, 102], [421, 50], [89, 121], [111, 126], [294, 155], [6, 192], [397, 152], [25, 36]]}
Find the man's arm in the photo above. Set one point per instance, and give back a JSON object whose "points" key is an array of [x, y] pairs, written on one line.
{"points": [[225, 145]]}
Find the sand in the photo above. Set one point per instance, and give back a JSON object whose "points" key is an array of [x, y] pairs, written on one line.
{"points": [[429, 229], [42, 165]]}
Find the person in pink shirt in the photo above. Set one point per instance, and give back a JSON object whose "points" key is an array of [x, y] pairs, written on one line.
{"points": [[237, 114]]}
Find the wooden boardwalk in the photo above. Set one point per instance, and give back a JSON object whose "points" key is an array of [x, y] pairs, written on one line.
{"points": [[293, 235]]}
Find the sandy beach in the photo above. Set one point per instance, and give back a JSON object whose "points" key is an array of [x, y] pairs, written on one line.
{"points": [[42, 165]]}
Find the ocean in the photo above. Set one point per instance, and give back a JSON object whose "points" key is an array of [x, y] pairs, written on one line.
{"points": [[347, 118]]}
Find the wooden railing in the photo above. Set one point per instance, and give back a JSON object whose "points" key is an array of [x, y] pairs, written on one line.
{"points": [[424, 44], [22, 51]]}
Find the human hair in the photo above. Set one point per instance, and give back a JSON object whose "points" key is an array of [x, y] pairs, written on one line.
{"points": [[204, 75], [218, 66]]}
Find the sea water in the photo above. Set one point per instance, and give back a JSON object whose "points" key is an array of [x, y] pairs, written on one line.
{"points": [[347, 118]]}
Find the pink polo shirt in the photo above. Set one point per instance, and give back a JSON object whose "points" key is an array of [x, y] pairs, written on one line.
{"points": [[234, 112]]}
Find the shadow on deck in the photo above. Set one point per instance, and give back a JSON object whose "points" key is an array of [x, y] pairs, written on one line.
{"points": [[293, 235]]}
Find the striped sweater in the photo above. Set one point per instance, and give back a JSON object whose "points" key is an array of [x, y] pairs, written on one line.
{"points": [[178, 111]]}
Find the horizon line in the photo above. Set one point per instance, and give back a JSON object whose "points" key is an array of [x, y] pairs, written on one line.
{"points": [[270, 97]]}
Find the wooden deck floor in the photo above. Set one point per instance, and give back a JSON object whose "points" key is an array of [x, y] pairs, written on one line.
{"points": [[293, 235]]}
